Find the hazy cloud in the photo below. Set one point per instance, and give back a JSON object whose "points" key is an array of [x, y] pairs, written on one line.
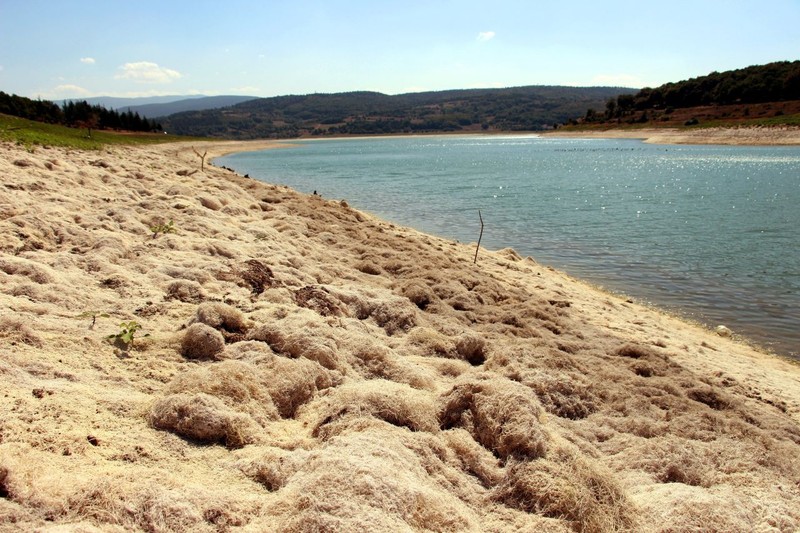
{"points": [[147, 72], [69, 90], [618, 80], [485, 36], [245, 90], [88, 60]]}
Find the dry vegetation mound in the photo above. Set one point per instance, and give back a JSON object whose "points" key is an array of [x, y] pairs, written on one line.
{"points": [[311, 368]]}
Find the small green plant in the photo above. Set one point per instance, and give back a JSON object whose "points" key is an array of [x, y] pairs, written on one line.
{"points": [[126, 334], [94, 315], [162, 228]]}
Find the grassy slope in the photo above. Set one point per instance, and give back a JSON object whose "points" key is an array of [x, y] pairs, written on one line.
{"points": [[30, 133]]}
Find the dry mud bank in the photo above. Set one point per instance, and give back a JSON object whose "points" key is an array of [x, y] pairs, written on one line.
{"points": [[312, 368]]}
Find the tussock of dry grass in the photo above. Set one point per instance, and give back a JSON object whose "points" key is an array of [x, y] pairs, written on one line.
{"points": [[201, 342], [375, 361], [307, 343], [567, 486], [313, 368], [240, 385], [381, 486], [500, 414], [564, 394], [292, 383], [13, 330], [203, 418], [396, 404], [222, 317], [187, 291], [419, 293]]}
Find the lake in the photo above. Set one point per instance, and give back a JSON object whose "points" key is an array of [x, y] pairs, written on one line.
{"points": [[711, 233]]}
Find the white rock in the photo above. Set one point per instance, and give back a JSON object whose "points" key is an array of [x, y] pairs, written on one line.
{"points": [[723, 331]]}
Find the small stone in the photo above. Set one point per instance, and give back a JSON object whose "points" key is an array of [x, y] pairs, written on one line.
{"points": [[723, 331]]}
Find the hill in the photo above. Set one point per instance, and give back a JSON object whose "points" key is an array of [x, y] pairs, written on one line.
{"points": [[309, 367], [532, 108], [155, 110], [759, 95], [117, 102]]}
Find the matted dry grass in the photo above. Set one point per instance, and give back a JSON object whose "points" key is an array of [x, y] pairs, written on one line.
{"points": [[312, 368]]}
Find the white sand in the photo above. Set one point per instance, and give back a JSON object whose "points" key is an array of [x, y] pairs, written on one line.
{"points": [[370, 378]]}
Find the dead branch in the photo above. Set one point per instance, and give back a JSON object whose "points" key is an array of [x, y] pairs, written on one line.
{"points": [[479, 238], [202, 158]]}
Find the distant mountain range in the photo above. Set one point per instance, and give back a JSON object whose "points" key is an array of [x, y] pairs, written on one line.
{"points": [[161, 106], [530, 108]]}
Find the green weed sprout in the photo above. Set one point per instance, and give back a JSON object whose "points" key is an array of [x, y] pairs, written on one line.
{"points": [[94, 315], [162, 228], [126, 334]]}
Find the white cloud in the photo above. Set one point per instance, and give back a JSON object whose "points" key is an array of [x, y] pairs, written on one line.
{"points": [[147, 72], [88, 60], [485, 36]]}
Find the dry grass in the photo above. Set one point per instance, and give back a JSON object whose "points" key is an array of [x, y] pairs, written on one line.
{"points": [[202, 342], [313, 368], [500, 414], [567, 486]]}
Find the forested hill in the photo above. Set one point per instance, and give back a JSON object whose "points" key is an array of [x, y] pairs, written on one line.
{"points": [[530, 108], [759, 91]]}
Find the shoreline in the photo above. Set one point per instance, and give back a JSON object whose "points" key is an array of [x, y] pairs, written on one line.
{"points": [[301, 351], [775, 342], [731, 136]]}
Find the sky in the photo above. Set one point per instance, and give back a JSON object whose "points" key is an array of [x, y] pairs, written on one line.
{"points": [[55, 49]]}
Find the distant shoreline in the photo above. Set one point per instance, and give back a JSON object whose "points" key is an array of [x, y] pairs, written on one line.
{"points": [[744, 136]]}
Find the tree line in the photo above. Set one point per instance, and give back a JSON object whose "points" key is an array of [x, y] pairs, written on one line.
{"points": [[773, 82], [75, 114]]}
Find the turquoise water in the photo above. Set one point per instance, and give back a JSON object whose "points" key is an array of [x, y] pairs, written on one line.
{"points": [[709, 232]]}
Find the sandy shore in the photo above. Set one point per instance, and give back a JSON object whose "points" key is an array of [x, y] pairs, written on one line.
{"points": [[302, 366], [745, 136]]}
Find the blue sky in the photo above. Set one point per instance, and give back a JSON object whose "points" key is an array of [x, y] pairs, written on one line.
{"points": [[72, 48]]}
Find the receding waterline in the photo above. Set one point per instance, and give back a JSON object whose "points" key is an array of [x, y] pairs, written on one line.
{"points": [[708, 232]]}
